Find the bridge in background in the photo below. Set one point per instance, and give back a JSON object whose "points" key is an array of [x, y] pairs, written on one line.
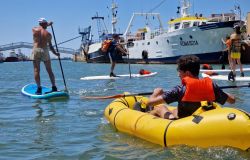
{"points": [[18, 45]]}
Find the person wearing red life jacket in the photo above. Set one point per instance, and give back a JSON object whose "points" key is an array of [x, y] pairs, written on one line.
{"points": [[143, 72], [228, 43], [113, 50], [188, 95], [207, 66]]}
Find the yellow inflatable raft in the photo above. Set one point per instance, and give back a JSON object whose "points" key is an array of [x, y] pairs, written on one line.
{"points": [[216, 127]]}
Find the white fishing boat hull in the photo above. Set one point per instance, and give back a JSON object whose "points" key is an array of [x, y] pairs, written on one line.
{"points": [[203, 41]]}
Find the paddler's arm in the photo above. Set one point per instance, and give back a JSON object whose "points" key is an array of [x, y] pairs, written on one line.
{"points": [[230, 98], [223, 41], [156, 98], [118, 46], [223, 97], [52, 48]]}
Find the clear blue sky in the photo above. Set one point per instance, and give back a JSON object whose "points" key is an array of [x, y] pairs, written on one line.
{"points": [[19, 16]]}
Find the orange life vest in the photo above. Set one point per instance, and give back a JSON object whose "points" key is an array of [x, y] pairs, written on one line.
{"points": [[198, 89], [228, 43], [142, 72], [105, 45]]}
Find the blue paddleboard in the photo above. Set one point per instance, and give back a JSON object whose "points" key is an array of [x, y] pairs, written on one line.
{"points": [[30, 90]]}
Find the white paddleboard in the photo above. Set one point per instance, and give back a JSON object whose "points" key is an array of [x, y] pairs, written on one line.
{"points": [[223, 70], [118, 76], [225, 77]]}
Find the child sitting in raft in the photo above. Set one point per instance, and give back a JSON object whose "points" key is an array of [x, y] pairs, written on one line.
{"points": [[188, 94]]}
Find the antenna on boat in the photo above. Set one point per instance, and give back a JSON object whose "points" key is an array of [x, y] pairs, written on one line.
{"points": [[185, 5], [114, 16], [178, 11], [237, 8]]}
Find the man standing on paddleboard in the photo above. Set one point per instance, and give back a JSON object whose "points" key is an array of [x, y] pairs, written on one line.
{"points": [[41, 43], [114, 49]]}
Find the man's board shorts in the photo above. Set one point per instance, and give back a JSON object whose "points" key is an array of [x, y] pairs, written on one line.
{"points": [[112, 56], [40, 54], [235, 55]]}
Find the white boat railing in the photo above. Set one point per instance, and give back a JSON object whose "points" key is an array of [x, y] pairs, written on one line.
{"points": [[127, 31]]}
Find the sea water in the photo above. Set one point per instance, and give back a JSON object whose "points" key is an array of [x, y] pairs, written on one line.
{"points": [[76, 128]]}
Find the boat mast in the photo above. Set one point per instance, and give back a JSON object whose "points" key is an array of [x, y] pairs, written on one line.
{"points": [[185, 5], [101, 31], [114, 18]]}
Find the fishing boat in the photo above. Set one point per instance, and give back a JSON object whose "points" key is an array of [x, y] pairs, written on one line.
{"points": [[90, 47], [12, 57], [1, 57], [21, 56], [186, 35], [209, 126]]}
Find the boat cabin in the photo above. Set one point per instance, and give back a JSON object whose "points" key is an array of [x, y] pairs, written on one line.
{"points": [[186, 22]]}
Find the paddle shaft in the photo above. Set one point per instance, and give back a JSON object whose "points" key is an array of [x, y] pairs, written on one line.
{"points": [[149, 93], [138, 94], [120, 95], [226, 87], [59, 58], [129, 66]]}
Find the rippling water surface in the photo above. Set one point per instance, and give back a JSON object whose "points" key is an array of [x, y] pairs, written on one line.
{"points": [[76, 128]]}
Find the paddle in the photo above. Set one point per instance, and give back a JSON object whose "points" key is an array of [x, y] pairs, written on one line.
{"points": [[129, 67], [240, 86], [128, 61], [59, 59], [119, 95], [149, 93]]}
